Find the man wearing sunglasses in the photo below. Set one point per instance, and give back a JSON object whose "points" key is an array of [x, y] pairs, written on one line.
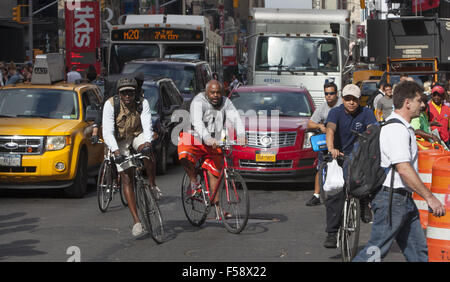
{"points": [[317, 122], [132, 126], [341, 121], [439, 112]]}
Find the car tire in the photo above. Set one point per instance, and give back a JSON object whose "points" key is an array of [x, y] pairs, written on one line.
{"points": [[79, 186], [161, 165]]}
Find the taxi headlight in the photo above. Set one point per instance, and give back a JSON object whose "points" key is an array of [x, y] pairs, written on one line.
{"points": [[55, 143]]}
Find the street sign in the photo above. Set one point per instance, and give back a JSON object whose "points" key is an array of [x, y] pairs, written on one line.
{"points": [[83, 36]]}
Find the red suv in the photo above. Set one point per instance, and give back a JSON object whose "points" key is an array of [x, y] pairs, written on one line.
{"points": [[278, 147]]}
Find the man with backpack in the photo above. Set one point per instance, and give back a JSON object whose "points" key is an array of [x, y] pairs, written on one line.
{"points": [[127, 122], [341, 123], [395, 214]]}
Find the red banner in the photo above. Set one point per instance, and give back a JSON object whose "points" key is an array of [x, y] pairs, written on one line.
{"points": [[83, 35], [424, 5]]}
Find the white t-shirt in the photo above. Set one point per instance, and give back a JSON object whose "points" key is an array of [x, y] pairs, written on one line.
{"points": [[398, 145], [72, 76]]}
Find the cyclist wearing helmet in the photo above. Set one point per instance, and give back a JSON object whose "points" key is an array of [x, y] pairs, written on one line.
{"points": [[132, 126], [208, 112]]}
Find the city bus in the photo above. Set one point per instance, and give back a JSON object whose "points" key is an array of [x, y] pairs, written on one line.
{"points": [[164, 36]]}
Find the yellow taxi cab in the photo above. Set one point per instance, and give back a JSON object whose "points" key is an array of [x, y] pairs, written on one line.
{"points": [[45, 133]]}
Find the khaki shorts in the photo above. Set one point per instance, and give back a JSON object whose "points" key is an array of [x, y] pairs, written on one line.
{"points": [[125, 151]]}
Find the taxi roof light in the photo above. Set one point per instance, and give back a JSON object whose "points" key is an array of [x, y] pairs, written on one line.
{"points": [[48, 69]]}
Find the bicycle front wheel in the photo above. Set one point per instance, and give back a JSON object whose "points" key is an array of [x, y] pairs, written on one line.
{"points": [[150, 213], [234, 202], [349, 231], [194, 205], [104, 186]]}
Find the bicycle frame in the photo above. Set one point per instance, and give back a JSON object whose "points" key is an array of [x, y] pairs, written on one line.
{"points": [[223, 173]]}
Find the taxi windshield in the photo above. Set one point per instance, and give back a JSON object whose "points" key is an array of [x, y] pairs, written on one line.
{"points": [[39, 103]]}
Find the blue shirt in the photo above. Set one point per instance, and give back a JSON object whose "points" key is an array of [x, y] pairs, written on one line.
{"points": [[344, 138]]}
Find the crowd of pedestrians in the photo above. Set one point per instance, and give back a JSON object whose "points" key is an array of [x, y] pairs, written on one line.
{"points": [[11, 73], [419, 114]]}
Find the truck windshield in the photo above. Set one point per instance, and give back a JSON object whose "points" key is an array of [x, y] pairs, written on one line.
{"points": [[182, 75], [41, 103], [296, 54]]}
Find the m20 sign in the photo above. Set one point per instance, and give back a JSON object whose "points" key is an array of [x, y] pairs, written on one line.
{"points": [[82, 35]]}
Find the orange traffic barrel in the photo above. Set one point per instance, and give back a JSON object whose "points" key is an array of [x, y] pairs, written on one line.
{"points": [[438, 229], [423, 145], [426, 160]]}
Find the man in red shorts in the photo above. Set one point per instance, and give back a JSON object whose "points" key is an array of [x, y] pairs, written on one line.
{"points": [[208, 112]]}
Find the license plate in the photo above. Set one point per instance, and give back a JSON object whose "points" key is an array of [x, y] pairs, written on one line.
{"points": [[266, 157], [10, 160]]}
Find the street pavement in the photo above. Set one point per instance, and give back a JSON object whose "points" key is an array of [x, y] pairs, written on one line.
{"points": [[41, 225]]}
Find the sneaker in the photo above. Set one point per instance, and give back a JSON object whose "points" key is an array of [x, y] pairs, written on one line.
{"points": [[137, 229], [314, 201], [156, 192], [331, 241], [366, 213]]}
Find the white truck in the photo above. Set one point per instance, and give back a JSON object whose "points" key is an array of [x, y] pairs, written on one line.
{"points": [[300, 47]]}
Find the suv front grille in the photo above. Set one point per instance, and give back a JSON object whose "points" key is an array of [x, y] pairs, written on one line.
{"points": [[21, 145], [271, 139], [254, 164]]}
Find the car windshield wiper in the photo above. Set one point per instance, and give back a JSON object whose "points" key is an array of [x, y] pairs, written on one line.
{"points": [[32, 116], [6, 116]]}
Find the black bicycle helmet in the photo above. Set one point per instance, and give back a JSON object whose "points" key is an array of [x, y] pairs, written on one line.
{"points": [[126, 83]]}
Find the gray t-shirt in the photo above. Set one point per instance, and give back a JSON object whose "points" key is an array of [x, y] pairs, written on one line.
{"points": [[321, 113], [385, 105]]}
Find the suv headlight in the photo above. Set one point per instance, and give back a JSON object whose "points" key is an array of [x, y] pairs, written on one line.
{"points": [[55, 143], [307, 140]]}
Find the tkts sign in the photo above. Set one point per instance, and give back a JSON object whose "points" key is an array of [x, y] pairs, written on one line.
{"points": [[83, 35]]}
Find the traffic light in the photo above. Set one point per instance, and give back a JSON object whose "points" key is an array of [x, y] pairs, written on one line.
{"points": [[102, 5], [16, 14], [235, 3]]}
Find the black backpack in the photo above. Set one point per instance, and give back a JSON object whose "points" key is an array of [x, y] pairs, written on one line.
{"points": [[365, 175]]}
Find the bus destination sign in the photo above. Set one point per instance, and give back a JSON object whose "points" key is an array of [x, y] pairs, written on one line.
{"points": [[156, 34]]}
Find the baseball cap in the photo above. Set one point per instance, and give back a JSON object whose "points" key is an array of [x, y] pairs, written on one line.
{"points": [[351, 89], [439, 89]]}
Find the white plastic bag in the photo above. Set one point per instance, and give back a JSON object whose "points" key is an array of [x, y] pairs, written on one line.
{"points": [[335, 178]]}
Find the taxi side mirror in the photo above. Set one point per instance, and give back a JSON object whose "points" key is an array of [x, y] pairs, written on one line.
{"points": [[93, 114]]}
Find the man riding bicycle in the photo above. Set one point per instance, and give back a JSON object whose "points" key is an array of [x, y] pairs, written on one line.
{"points": [[132, 125], [208, 112]]}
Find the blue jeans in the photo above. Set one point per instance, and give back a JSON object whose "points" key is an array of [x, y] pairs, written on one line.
{"points": [[405, 229]]}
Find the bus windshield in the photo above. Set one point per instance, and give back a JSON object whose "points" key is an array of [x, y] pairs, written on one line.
{"points": [[185, 52], [296, 54], [122, 53]]}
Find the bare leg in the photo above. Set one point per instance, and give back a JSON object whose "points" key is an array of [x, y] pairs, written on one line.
{"points": [[316, 184], [127, 185], [189, 167], [213, 181]]}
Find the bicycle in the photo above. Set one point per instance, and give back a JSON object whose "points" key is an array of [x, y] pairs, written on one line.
{"points": [[146, 200], [108, 182], [234, 200], [348, 234]]}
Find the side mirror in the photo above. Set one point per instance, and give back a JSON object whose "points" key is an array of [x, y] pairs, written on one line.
{"points": [[93, 114], [170, 110]]}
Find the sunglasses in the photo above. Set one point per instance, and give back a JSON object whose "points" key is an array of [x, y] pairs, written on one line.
{"points": [[329, 93], [437, 94], [127, 93]]}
